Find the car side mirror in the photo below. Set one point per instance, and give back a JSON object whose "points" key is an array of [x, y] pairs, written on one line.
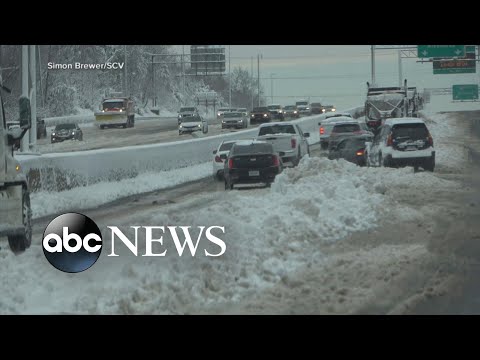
{"points": [[214, 152], [307, 135], [25, 113]]}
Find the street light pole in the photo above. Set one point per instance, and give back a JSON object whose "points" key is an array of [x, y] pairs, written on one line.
{"points": [[183, 74], [229, 79], [372, 49], [400, 75], [251, 75], [125, 71], [258, 78], [271, 86]]}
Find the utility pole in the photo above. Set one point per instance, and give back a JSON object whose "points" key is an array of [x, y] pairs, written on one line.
{"points": [[271, 86], [372, 48], [251, 76], [183, 75], [229, 79], [258, 77], [25, 139], [400, 75], [125, 71], [33, 98], [153, 84]]}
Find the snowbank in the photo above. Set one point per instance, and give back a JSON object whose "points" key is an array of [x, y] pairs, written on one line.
{"points": [[270, 235]]}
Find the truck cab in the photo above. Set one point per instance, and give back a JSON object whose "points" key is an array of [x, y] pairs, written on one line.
{"points": [[15, 211], [115, 112]]}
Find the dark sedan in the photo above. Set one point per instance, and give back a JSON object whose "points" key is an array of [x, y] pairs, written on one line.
{"points": [[66, 132], [251, 162], [350, 148]]}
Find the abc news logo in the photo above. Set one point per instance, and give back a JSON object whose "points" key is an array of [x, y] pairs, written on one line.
{"points": [[72, 242]]}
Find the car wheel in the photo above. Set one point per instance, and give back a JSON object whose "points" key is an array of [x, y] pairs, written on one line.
{"points": [[19, 243]]}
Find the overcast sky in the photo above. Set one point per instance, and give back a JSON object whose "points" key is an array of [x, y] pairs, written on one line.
{"points": [[334, 74]]}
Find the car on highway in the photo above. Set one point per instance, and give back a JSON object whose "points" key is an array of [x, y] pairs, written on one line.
{"points": [[329, 108], [260, 114], [68, 131], [287, 138], [325, 129], [41, 128], [187, 111], [236, 120], [277, 111], [221, 111], [243, 110], [350, 148], [337, 114], [402, 142], [220, 155], [291, 111], [316, 108], [346, 128], [192, 124], [251, 162], [303, 108]]}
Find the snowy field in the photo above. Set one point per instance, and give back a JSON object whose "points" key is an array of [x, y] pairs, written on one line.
{"points": [[270, 234]]}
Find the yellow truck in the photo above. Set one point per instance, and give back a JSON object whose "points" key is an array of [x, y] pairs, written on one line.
{"points": [[116, 112]]}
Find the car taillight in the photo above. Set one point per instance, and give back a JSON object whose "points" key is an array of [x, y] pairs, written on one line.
{"points": [[218, 159], [294, 143], [322, 130], [276, 161], [230, 163], [389, 140], [430, 139], [359, 153]]}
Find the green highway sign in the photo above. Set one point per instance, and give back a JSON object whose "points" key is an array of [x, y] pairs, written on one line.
{"points": [[440, 51], [465, 65], [465, 92]]}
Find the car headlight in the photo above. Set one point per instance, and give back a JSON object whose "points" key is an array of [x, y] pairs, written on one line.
{"points": [[323, 110], [252, 115], [333, 109], [181, 126], [73, 132], [53, 133], [295, 112], [179, 116], [223, 121], [120, 110], [219, 114], [199, 125], [264, 115], [240, 120], [307, 108]]}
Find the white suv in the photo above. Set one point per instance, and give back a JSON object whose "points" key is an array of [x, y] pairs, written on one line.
{"points": [[402, 142]]}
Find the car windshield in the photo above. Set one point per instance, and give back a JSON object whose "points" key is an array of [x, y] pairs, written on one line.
{"points": [[274, 107], [189, 109], [345, 128], [277, 129], [316, 105], [302, 103], [386, 105], [409, 131], [111, 105], [355, 143], [65, 127], [223, 109], [226, 146], [232, 115], [254, 148], [260, 109], [290, 107], [190, 118]]}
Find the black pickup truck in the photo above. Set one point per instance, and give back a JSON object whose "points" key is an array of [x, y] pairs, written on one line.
{"points": [[260, 115]]}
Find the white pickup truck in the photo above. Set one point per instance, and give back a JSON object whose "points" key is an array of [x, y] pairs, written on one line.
{"points": [[287, 139]]}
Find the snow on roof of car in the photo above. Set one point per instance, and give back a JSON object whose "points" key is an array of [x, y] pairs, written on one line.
{"points": [[275, 123], [248, 142], [340, 119], [114, 100], [394, 121]]}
